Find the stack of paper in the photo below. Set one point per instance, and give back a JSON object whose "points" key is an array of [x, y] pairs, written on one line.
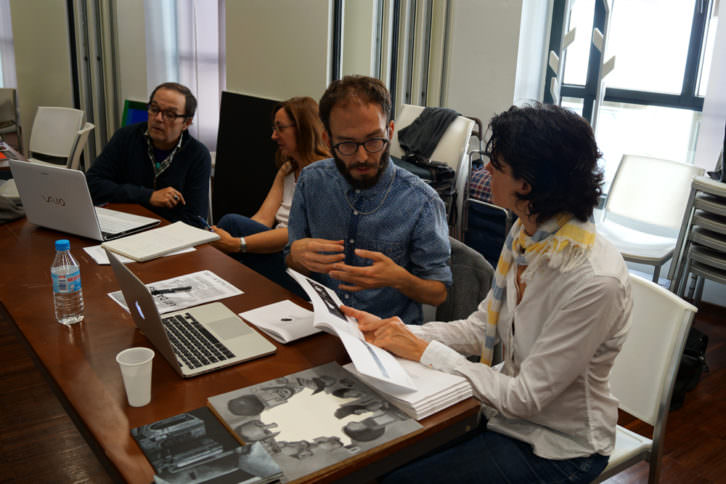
{"points": [[435, 390]]}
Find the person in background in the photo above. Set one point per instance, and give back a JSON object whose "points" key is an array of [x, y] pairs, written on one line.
{"points": [[371, 231], [157, 163], [559, 305], [480, 184], [258, 241]]}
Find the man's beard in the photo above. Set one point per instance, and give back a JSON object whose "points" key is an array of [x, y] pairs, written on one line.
{"points": [[366, 182]]}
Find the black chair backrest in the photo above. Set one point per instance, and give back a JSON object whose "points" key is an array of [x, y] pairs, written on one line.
{"points": [[486, 229], [245, 164]]}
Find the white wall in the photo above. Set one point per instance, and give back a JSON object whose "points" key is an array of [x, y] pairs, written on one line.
{"points": [[278, 49], [482, 56], [42, 57]]}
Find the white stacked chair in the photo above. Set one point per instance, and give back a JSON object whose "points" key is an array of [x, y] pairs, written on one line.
{"points": [[701, 245]]}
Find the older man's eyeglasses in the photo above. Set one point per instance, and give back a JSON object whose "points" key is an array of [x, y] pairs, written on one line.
{"points": [[373, 145], [167, 114]]}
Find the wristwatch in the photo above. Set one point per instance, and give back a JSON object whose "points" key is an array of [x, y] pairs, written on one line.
{"points": [[242, 245]]}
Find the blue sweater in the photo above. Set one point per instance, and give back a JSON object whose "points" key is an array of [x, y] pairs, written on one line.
{"points": [[123, 173]]}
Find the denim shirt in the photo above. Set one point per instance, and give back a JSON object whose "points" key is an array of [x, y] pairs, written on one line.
{"points": [[400, 216]]}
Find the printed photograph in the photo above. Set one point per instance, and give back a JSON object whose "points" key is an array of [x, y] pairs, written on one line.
{"points": [[312, 419], [195, 447]]}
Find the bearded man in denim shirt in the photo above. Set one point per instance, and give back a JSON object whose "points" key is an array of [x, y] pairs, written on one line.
{"points": [[359, 224]]}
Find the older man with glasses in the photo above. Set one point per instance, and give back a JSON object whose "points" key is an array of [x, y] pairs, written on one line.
{"points": [[371, 231], [157, 163]]}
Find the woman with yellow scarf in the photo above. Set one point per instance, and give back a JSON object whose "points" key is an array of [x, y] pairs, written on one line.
{"points": [[559, 306]]}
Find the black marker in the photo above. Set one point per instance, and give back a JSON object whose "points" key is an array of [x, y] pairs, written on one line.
{"points": [[170, 290]]}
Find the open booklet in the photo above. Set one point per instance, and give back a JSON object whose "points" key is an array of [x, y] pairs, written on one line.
{"points": [[284, 321], [160, 241], [368, 359]]}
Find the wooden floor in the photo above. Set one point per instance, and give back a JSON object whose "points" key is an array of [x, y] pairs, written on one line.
{"points": [[39, 443]]}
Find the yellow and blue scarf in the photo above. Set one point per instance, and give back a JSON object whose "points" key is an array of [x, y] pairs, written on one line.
{"points": [[562, 242]]}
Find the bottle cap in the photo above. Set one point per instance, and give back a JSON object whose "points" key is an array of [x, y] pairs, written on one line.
{"points": [[62, 244]]}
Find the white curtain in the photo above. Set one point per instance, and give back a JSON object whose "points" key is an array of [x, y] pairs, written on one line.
{"points": [[185, 44], [7, 51]]}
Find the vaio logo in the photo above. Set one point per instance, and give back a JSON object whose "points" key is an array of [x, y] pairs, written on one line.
{"points": [[53, 200]]}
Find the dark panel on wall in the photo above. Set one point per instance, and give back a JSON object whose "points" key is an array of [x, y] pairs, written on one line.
{"points": [[245, 165]]}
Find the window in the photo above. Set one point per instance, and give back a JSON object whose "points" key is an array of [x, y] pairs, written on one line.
{"points": [[653, 98], [184, 44], [7, 54]]}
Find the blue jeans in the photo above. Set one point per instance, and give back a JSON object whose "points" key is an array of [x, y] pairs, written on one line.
{"points": [[272, 266], [489, 457]]}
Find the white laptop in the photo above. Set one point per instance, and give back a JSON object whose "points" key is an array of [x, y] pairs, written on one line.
{"points": [[194, 340], [58, 198]]}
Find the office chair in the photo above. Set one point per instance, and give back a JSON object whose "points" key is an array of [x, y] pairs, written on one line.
{"points": [[644, 209], [452, 148], [472, 279], [78, 147], [642, 380], [54, 135]]}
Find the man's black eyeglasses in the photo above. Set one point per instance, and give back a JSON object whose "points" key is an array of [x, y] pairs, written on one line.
{"points": [[167, 114], [373, 145]]}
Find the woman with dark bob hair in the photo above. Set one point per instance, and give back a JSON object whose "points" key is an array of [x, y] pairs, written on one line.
{"points": [[559, 306], [258, 241]]}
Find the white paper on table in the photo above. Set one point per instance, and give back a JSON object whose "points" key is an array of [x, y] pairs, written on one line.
{"points": [[98, 254], [284, 320], [368, 359], [206, 286]]}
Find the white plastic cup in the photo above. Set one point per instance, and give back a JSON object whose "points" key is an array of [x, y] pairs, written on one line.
{"points": [[135, 364]]}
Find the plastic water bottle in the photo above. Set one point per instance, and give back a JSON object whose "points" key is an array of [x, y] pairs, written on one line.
{"points": [[67, 292]]}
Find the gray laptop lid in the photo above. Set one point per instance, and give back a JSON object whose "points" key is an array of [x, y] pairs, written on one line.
{"points": [[244, 342], [58, 198]]}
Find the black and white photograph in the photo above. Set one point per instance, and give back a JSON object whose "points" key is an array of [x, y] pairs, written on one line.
{"points": [[327, 299], [194, 447], [312, 419]]}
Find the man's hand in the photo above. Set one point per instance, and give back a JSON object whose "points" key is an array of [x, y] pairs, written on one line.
{"points": [[382, 273], [390, 334], [316, 255], [226, 242], [168, 197]]}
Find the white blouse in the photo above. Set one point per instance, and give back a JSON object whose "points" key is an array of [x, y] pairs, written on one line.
{"points": [[552, 389], [288, 190]]}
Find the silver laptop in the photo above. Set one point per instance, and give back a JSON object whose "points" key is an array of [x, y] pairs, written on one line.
{"points": [[194, 340], [58, 198]]}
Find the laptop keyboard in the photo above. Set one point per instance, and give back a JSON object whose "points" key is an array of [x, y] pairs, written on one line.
{"points": [[114, 225], [193, 343], [114, 222]]}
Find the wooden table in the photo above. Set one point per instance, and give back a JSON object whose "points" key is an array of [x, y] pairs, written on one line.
{"points": [[80, 360]]}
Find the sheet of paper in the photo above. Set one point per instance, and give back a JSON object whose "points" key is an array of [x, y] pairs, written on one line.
{"points": [[205, 286], [368, 359], [98, 254]]}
